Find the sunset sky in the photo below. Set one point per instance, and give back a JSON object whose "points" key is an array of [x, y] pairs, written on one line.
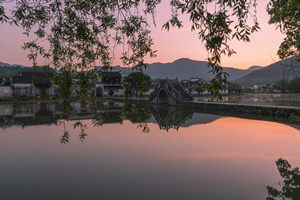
{"points": [[174, 44]]}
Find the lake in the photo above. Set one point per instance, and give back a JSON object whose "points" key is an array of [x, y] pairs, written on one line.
{"points": [[138, 153]]}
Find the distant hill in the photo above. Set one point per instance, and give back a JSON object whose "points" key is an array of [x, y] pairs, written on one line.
{"points": [[182, 69], [287, 68], [185, 69], [254, 68], [2, 64]]}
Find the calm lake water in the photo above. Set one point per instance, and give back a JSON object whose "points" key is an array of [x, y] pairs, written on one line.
{"points": [[185, 155]]}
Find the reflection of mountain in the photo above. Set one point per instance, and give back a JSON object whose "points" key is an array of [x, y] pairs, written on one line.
{"points": [[201, 118]]}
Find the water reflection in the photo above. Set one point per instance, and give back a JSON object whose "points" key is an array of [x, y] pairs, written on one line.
{"points": [[108, 112], [209, 157], [25, 114], [169, 117]]}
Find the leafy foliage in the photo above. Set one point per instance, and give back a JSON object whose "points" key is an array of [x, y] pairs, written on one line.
{"points": [[213, 20], [200, 89], [281, 85], [138, 114], [234, 88], [290, 185], [82, 32], [3, 16], [286, 16], [138, 81], [286, 85], [79, 33], [294, 85]]}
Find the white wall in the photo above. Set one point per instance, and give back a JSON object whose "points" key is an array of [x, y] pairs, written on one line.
{"points": [[5, 92]]}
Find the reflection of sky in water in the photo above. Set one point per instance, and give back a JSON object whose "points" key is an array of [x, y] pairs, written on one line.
{"points": [[229, 158]]}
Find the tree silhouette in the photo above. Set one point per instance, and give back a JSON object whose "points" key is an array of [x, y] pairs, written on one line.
{"points": [[80, 33], [290, 186]]}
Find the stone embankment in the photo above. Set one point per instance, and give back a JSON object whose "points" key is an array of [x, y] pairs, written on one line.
{"points": [[283, 111], [280, 111]]}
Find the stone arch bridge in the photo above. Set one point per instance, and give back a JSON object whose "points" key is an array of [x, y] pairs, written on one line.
{"points": [[169, 92]]}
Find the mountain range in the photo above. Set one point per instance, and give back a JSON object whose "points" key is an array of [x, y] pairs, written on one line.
{"points": [[184, 69], [2, 64], [287, 68]]}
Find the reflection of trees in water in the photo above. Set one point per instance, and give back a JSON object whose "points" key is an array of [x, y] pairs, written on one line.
{"points": [[100, 112], [289, 186], [103, 112], [137, 113]]}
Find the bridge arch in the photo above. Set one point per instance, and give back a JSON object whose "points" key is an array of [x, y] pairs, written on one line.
{"points": [[162, 96], [169, 92]]}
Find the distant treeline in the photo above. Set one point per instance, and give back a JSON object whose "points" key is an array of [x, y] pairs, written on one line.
{"points": [[287, 85]]}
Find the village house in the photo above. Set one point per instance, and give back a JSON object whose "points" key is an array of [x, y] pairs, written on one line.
{"points": [[198, 85], [110, 85], [5, 89], [31, 84], [191, 85]]}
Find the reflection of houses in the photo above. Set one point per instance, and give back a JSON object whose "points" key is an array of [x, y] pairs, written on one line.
{"points": [[81, 110], [48, 113], [112, 113], [29, 114], [110, 85], [104, 112]]}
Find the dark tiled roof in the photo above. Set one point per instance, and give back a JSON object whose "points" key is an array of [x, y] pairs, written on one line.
{"points": [[111, 74], [27, 77], [113, 87]]}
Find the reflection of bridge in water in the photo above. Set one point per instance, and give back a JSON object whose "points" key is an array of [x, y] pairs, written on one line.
{"points": [[29, 114], [166, 116], [169, 117]]}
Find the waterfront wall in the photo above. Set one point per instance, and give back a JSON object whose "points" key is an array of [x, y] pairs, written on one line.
{"points": [[280, 111], [283, 111]]}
